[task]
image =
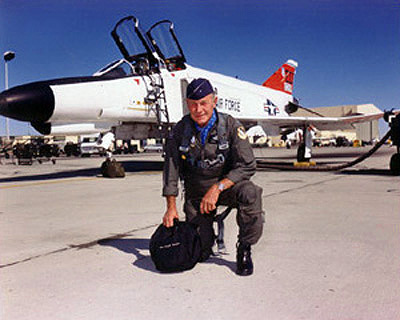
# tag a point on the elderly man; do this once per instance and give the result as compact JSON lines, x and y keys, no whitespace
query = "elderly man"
{"x":210,"y":152}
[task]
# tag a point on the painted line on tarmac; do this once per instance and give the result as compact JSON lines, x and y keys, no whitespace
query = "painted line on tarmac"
{"x":81,"y":246}
{"x":29,"y":184}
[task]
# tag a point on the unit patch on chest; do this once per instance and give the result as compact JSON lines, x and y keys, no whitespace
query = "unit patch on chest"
{"x":241,"y":133}
{"x":193,"y":142}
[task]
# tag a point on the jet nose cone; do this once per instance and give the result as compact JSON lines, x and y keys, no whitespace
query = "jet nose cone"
{"x":3,"y":105}
{"x":31,"y":102}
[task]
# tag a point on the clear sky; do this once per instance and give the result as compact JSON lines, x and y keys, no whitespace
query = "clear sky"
{"x":348,"y":50}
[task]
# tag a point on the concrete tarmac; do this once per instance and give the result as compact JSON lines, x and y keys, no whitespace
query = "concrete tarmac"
{"x":74,"y":245}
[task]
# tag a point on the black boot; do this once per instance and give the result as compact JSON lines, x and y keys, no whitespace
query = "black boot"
{"x":205,"y":254}
{"x":244,"y":264}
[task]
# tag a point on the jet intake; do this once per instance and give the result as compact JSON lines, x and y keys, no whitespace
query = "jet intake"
{"x":291,"y":107}
{"x":126,"y":114}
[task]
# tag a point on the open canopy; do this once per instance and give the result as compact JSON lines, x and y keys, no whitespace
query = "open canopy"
{"x":166,"y":44}
{"x":159,"y":47}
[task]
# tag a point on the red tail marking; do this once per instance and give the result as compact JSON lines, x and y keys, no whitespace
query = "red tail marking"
{"x":283,"y":78}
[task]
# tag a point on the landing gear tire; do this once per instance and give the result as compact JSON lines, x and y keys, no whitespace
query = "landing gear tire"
{"x":395,"y":164}
{"x":301,"y":151}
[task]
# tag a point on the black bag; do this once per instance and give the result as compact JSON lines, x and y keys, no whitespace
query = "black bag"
{"x":112,"y":169}
{"x":175,"y":249}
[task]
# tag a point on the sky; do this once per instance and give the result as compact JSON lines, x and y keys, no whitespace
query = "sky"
{"x":348,"y":50}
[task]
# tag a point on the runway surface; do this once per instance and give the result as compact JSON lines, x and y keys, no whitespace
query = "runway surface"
{"x":74,"y":245}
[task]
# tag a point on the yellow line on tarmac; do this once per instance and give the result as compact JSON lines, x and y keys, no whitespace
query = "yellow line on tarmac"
{"x":45,"y":182}
{"x":137,"y":109}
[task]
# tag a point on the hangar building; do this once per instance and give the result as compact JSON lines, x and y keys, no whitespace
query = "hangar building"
{"x":367,"y":131}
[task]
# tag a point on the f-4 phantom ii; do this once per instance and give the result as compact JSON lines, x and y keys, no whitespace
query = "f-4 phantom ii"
{"x":143,"y":93}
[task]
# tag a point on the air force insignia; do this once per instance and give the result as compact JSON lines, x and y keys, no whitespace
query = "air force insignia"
{"x":242,"y":133}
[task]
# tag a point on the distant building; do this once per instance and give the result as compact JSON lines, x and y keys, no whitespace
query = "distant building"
{"x":366,"y":131}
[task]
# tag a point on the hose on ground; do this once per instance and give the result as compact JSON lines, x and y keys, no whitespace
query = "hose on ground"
{"x":262,"y":164}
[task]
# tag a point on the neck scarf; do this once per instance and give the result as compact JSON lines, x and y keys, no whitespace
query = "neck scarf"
{"x":206,"y":129}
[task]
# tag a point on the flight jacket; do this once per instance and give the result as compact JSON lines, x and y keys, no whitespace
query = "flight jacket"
{"x":226,"y":153}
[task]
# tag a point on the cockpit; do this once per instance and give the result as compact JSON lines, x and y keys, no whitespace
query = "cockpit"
{"x":144,"y":53}
{"x":166,"y":44}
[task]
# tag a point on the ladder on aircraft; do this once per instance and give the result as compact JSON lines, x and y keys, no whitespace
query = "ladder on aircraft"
{"x":158,"y":104}
{"x":136,"y":46}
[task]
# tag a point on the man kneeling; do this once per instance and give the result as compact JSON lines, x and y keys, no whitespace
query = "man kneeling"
{"x":210,"y":151}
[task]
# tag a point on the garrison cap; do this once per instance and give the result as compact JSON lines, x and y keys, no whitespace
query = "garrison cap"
{"x":199,"y":88}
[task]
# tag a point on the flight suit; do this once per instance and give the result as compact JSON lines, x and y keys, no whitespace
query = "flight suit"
{"x":226,"y":153}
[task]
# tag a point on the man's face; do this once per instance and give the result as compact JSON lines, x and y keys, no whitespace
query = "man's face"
{"x":201,"y":110}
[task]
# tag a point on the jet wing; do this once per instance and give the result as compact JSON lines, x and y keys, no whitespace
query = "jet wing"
{"x":321,"y":123}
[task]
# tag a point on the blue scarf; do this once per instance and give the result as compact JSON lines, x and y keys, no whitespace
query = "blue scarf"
{"x":206,"y":129}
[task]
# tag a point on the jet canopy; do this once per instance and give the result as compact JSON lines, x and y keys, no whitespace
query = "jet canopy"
{"x":165,"y":42}
{"x":148,"y":52}
{"x":134,"y":45}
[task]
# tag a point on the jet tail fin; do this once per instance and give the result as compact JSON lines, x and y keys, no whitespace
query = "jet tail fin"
{"x":283,"y":78}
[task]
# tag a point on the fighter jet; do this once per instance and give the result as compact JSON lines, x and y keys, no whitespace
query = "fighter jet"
{"x":142,"y":95}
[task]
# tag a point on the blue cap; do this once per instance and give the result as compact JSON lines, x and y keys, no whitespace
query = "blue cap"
{"x":199,"y":88}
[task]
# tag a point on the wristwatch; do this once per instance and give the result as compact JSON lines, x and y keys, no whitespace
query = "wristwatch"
{"x":221,"y":186}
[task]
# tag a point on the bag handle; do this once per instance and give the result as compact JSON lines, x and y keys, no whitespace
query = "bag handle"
{"x":176,"y":224}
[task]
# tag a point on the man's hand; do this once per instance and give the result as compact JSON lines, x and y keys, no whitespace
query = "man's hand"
{"x":169,"y":216}
{"x":171,"y":213}
{"x":209,"y":201}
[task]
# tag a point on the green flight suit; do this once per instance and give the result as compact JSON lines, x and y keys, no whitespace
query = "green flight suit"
{"x":226,"y":153}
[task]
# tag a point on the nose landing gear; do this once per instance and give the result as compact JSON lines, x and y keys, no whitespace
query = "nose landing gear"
{"x":304,"y":149}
